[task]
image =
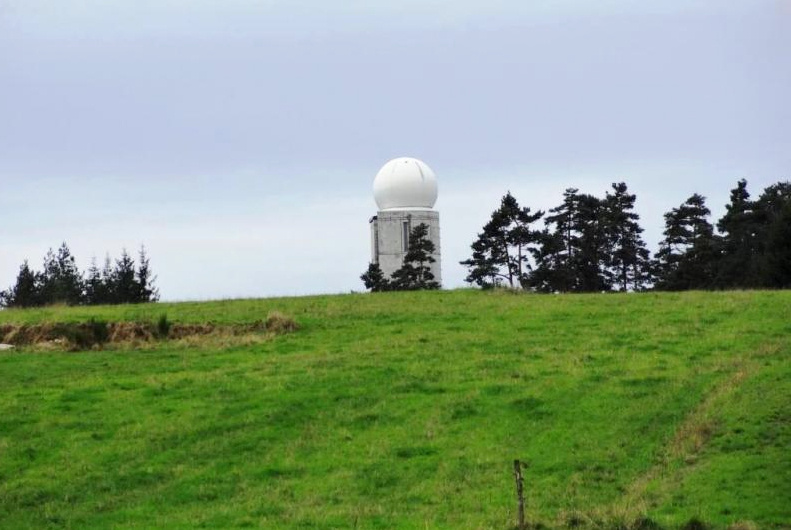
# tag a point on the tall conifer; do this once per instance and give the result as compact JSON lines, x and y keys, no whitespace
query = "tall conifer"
{"x":629,"y":262}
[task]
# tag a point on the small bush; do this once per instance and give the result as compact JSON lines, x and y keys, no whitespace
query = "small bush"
{"x":695,"y":524}
{"x":163,"y":327}
{"x":99,"y":331}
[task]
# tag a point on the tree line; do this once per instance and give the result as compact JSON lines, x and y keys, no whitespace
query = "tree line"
{"x":590,"y":244}
{"x":121,"y":281}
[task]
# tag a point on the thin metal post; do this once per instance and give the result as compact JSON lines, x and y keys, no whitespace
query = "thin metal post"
{"x":520,"y":495}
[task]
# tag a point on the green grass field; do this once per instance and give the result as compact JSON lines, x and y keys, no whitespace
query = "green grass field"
{"x":406,"y":410}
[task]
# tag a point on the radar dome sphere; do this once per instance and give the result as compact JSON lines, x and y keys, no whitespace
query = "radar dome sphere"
{"x":405,"y":184}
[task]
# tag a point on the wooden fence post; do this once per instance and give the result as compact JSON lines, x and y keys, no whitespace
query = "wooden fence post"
{"x":520,"y":495}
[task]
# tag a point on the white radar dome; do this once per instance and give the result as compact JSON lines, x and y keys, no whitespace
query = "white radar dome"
{"x":405,"y":184}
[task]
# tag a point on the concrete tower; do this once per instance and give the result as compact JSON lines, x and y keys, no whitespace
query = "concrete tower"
{"x":405,"y":190}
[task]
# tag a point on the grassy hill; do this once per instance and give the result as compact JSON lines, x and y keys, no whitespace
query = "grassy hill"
{"x":406,"y":410}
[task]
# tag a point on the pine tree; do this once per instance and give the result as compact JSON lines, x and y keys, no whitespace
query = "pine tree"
{"x":773,"y":209}
{"x":374,"y":279}
{"x":26,"y":292}
{"x":109,"y":289}
{"x":504,"y":249}
{"x":146,"y":292}
{"x":555,"y":267}
{"x":126,"y":288}
{"x":574,"y":254}
{"x":521,"y":237}
{"x":687,"y":257}
{"x":740,"y":253}
{"x":93,"y":284}
{"x":415,"y":273}
{"x":484,"y":265}
{"x":592,"y":257}
{"x":491,"y":260}
{"x":629,"y":263}
{"x":551,"y":273}
{"x":62,"y":281}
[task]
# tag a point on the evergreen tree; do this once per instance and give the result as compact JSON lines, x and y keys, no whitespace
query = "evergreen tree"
{"x":99,"y":283}
{"x":739,"y":261}
{"x":146,"y":292}
{"x":557,"y":255}
{"x":109,"y":289}
{"x":415,"y":273}
{"x":62,"y":281}
{"x":592,"y":258}
{"x":687,"y":257}
{"x":491,"y":259}
{"x":93,"y":284}
{"x":551,"y":273}
{"x":125,"y":286}
{"x":26,"y":292}
{"x":484,"y":264}
{"x":522,"y":239}
{"x":629,"y":263}
{"x":374,"y":279}
{"x":504,"y":249}
{"x":574,"y":254}
{"x":773,"y":210}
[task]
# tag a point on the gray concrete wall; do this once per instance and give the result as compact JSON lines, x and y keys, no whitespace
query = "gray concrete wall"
{"x":387,"y":238}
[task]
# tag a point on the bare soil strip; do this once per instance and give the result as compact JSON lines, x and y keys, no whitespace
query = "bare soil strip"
{"x":96,"y":334}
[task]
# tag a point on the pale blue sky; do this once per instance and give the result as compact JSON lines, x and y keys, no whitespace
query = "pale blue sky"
{"x":238,"y":140}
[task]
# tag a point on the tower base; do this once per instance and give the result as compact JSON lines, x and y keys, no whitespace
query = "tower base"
{"x":390,"y":238}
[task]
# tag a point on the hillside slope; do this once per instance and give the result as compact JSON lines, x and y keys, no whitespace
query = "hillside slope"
{"x":406,"y":410}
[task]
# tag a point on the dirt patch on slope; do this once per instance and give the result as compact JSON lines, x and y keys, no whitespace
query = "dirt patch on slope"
{"x":97,"y":333}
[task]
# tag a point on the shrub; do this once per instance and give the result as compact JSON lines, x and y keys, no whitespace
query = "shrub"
{"x":695,"y":524}
{"x":163,"y":327}
{"x":99,"y":331}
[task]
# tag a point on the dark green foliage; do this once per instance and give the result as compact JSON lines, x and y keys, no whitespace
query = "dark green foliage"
{"x":629,"y":266}
{"x":774,"y":235}
{"x":144,"y":280}
{"x":778,"y":253}
{"x":752,"y":249}
{"x":415,"y":274}
{"x":588,"y":244}
{"x":575,"y":251}
{"x":163,"y":327}
{"x":61,"y":282}
{"x":695,"y":524}
{"x":504,"y":249}
{"x":374,"y":279}
{"x":80,"y":336}
{"x":557,"y":256}
{"x":591,"y":245}
{"x":99,"y":330}
{"x":97,"y":284}
{"x":687,"y":255}
{"x":739,"y":261}
{"x":125,"y":286}
{"x":26,"y":292}
{"x":551,"y":272}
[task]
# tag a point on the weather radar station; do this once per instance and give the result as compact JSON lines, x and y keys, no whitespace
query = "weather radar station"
{"x":405,"y":190}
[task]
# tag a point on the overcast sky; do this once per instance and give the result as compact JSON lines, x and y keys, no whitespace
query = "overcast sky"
{"x":238,"y":139}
